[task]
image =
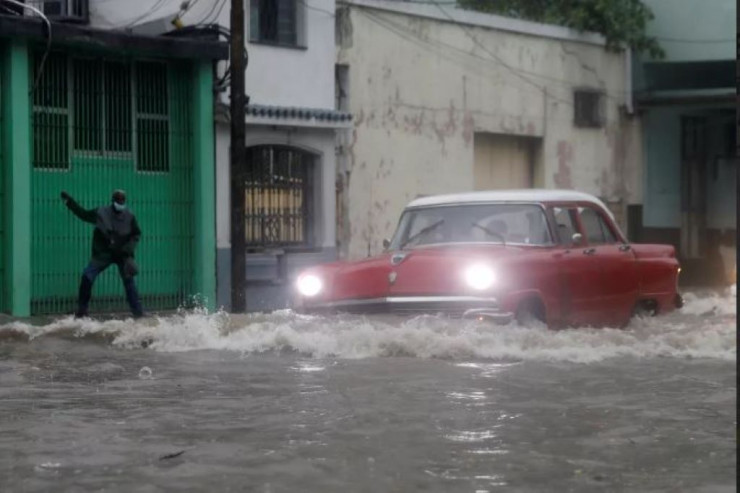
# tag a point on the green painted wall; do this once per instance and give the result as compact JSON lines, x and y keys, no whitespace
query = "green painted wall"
{"x":162,"y":199}
{"x":50,"y":141}
{"x":204,"y":185}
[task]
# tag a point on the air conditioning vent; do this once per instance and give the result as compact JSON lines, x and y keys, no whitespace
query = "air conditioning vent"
{"x":73,"y":11}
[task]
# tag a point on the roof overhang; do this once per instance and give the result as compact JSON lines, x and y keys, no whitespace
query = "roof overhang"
{"x":706,"y":97}
{"x":289,"y":116}
{"x":13,"y":26}
{"x":447,"y":13}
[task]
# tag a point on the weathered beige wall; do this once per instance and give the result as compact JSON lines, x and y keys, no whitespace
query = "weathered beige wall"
{"x":420,"y":88}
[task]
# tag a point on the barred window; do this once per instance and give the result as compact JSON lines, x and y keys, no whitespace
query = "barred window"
{"x":274,"y":21}
{"x":102,"y":105}
{"x":50,"y":118}
{"x":588,"y":108}
{"x":277,"y":197}
{"x":95,"y":107}
{"x":152,"y":117}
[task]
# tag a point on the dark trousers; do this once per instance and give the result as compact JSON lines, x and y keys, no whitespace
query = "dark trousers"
{"x":91,"y":272}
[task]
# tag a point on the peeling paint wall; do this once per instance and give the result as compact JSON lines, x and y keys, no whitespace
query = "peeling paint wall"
{"x":420,"y":87}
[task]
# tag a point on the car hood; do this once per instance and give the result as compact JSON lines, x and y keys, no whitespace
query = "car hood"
{"x":428,"y":270}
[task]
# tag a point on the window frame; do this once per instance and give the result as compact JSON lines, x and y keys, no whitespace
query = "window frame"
{"x":102,"y":129}
{"x":137,"y":116}
{"x":308,"y":209}
{"x":52,"y":110}
{"x":596,"y":118}
{"x":604,"y":226}
{"x":572,"y":211}
{"x":299,"y":26}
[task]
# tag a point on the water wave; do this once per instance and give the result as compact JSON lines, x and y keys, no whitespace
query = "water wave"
{"x":704,"y":328}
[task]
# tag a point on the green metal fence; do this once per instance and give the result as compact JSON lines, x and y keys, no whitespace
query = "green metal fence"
{"x":98,"y":125}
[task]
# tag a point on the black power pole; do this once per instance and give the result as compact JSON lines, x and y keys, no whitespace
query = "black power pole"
{"x":238,"y":160}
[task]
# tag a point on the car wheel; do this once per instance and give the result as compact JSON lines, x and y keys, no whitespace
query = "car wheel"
{"x":530,"y":313}
{"x":645,"y":308}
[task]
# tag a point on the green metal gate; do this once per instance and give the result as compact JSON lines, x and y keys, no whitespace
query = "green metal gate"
{"x":100,"y":124}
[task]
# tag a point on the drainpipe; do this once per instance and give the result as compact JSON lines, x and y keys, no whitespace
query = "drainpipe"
{"x":628,"y":80}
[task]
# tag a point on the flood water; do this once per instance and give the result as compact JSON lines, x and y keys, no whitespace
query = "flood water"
{"x":290,"y":403}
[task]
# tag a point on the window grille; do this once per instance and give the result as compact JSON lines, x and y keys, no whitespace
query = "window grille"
{"x":278,"y":197}
{"x":588,"y":108}
{"x":51,"y":114}
{"x":76,"y":11}
{"x":91,"y":107}
{"x":152,"y":117}
{"x":273,"y":21}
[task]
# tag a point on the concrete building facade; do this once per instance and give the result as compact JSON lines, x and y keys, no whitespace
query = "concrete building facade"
{"x":688,"y":105}
{"x":446,"y":100}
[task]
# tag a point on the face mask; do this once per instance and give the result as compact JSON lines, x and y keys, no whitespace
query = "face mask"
{"x":119,"y":207}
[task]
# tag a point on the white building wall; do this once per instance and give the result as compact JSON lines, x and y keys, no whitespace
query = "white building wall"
{"x":420,"y":86}
{"x":282,"y":76}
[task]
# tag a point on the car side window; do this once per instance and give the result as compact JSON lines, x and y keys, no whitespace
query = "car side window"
{"x":597,"y":232}
{"x":565,"y":224}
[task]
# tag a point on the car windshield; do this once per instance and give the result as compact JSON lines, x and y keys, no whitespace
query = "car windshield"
{"x":472,"y":223}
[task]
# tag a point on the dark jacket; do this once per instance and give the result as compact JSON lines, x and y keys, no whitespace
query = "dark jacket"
{"x":116,"y":233}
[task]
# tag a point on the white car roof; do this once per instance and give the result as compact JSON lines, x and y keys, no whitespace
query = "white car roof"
{"x":523,"y":195}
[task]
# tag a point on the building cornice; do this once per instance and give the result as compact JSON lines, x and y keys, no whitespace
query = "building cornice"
{"x":478,"y":19}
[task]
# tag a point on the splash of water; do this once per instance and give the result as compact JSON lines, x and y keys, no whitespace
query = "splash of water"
{"x":704,"y":328}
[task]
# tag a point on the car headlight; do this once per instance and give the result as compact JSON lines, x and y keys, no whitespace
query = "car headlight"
{"x":309,"y":285}
{"x":480,"y":276}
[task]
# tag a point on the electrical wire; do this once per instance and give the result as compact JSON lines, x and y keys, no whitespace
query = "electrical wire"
{"x":48,"y":39}
{"x":317,"y":9}
{"x":204,"y":20}
{"x":404,"y":32}
{"x":409,"y":36}
{"x":189,"y":6}
{"x":223,"y":4}
{"x":157,"y":5}
{"x":494,"y":56}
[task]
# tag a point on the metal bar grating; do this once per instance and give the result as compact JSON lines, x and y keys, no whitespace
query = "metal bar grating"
{"x":101,"y":124}
{"x":277,"y":197}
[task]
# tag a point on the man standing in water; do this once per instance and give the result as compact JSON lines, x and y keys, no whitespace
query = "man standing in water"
{"x":116,"y":235}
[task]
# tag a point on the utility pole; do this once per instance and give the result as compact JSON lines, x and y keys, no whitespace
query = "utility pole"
{"x":238,"y":160}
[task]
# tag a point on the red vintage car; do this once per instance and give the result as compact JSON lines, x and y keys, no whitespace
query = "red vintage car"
{"x":555,"y":255}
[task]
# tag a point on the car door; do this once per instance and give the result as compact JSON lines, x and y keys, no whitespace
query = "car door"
{"x":580,"y":276}
{"x":619,"y":283}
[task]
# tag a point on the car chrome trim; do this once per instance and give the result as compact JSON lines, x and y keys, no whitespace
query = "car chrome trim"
{"x":401,"y":300}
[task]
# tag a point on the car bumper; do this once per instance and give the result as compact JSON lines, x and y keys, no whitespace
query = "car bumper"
{"x":678,"y":301}
{"x":453,"y":306}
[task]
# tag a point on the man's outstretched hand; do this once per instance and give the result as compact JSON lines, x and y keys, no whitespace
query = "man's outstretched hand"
{"x":65,"y":197}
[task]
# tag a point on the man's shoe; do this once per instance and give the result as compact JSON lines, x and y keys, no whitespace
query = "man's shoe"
{"x":80,"y":314}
